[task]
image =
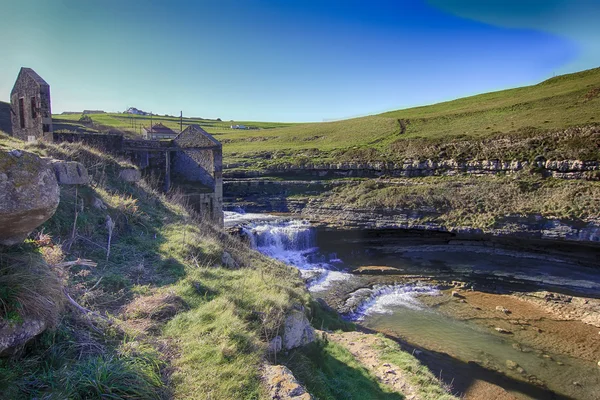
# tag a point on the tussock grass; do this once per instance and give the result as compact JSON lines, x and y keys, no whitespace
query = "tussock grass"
{"x":29,"y":288}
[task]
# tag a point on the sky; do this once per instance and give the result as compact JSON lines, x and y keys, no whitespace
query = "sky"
{"x":283,"y":60}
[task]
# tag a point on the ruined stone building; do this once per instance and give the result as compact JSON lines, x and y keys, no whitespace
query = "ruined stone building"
{"x":189,"y":161}
{"x":31,"y":115}
{"x":192,"y":163}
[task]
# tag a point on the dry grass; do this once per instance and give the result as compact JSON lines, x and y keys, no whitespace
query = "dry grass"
{"x":29,"y":288}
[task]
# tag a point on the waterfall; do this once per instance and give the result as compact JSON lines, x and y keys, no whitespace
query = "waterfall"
{"x":294,"y":243}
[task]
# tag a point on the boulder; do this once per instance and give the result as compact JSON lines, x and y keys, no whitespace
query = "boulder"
{"x":29,"y":194}
{"x":130,"y":175}
{"x":70,"y":172}
{"x":14,"y":335}
{"x":228,"y":261}
{"x":281,"y":384}
{"x":297,"y":330}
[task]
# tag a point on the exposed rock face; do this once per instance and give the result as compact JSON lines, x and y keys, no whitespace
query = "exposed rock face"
{"x":70,"y":173}
{"x":29,"y":194}
{"x":282,"y":385}
{"x":526,"y":227}
{"x":566,"y":169}
{"x":297,"y":330}
{"x":13,"y":335}
{"x":130,"y":175}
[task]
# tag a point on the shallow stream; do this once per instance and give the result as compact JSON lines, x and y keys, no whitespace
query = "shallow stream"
{"x":399,"y":305}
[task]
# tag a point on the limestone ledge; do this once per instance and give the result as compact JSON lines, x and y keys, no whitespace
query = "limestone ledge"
{"x":515,"y":226}
{"x":565,"y":169}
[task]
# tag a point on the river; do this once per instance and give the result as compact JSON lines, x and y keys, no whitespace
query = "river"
{"x":498,"y":329}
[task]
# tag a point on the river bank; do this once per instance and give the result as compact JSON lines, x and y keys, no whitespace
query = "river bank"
{"x":518,"y":325}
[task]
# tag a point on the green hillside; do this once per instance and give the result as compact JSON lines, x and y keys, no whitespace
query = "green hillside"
{"x":519,"y":123}
{"x":555,"y":104}
{"x":133,"y":123}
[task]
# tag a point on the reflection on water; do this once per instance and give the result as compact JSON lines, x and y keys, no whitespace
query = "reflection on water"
{"x":467,"y":341}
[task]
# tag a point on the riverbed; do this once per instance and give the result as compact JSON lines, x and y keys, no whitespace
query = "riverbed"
{"x":492,"y":322}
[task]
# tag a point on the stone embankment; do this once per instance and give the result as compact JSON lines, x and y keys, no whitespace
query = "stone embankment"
{"x":564,"y":169}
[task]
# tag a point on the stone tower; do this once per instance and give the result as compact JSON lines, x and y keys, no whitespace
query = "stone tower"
{"x":31,"y":115}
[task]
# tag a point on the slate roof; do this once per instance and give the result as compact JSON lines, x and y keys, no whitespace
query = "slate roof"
{"x":160,"y":128}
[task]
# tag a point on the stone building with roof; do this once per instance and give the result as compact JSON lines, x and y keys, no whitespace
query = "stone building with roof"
{"x":31,"y":114}
{"x":158,"y":131}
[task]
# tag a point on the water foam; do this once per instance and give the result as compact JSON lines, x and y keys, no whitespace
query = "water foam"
{"x":382,"y":299}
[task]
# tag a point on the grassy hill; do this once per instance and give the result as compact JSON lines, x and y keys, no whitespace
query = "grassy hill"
{"x":528,"y":117}
{"x":517,"y":114}
{"x":133,"y":123}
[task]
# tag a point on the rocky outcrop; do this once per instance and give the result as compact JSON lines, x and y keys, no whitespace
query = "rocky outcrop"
{"x":29,"y":194}
{"x":70,"y":172}
{"x":565,"y":169}
{"x":526,"y":227}
{"x":297,"y":330}
{"x":13,"y":334}
{"x":282,"y":385}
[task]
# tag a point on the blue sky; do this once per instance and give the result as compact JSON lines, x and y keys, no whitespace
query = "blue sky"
{"x":309,"y":60}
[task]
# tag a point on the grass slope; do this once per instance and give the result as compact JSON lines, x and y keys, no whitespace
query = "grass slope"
{"x":460,"y":128}
{"x":555,"y":104}
{"x":182,"y":324}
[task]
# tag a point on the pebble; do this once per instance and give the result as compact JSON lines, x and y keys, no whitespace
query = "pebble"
{"x":502,"y":309}
{"x":503,"y":331}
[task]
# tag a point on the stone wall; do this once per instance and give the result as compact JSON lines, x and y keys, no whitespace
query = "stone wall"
{"x":111,"y":143}
{"x":186,"y":163}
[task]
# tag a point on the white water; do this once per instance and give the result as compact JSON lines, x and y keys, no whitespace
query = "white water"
{"x":293,"y":242}
{"x":383,"y":299}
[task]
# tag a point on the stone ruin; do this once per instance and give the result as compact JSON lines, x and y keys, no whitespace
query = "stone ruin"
{"x":31,"y":115}
{"x":191,"y":162}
